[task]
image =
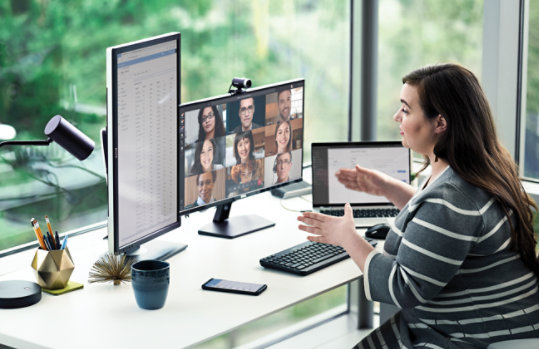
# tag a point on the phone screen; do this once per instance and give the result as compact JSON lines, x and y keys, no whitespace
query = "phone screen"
{"x":234,"y":286}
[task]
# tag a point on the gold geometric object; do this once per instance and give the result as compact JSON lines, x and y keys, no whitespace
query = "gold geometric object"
{"x":52,"y":268}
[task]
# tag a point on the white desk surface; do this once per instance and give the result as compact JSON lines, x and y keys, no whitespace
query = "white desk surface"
{"x":105,"y":316}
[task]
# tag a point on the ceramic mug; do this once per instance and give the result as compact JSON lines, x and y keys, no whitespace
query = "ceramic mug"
{"x":150,"y":279}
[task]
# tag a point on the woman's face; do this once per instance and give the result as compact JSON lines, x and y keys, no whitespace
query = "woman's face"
{"x":244,"y":147}
{"x":246,"y":173}
{"x":208,"y":120}
{"x":206,"y":156}
{"x":416,"y":130}
{"x":282,"y":137}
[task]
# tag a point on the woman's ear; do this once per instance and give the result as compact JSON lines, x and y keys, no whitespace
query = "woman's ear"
{"x":440,"y":125}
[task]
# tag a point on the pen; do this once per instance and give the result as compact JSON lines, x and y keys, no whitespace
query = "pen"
{"x":50,"y":239}
{"x":57,"y":238}
{"x":38,"y":234}
{"x":64,"y":243}
{"x":48,"y":244}
{"x":50,"y":231}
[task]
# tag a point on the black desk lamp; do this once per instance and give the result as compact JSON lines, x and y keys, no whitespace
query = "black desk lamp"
{"x":20,"y":293}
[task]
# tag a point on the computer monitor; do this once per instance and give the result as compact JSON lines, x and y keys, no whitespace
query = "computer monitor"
{"x":143,"y":98}
{"x":237,"y":145}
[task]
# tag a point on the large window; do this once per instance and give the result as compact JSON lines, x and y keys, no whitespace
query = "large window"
{"x":415,"y":33}
{"x":530,"y":156}
{"x":52,"y":61}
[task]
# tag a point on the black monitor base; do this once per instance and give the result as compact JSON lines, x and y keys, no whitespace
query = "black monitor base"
{"x":156,"y":249}
{"x":236,"y":226}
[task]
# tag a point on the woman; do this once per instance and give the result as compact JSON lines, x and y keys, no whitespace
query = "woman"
{"x":204,"y":157}
{"x":210,"y":123}
{"x":283,"y":136}
{"x":248,"y":172}
{"x":244,"y":147}
{"x":460,"y":257}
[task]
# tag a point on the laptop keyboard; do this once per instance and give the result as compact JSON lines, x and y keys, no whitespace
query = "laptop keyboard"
{"x":364,"y":212}
{"x":307,"y":257}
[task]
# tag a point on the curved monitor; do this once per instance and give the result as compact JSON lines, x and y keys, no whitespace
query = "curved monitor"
{"x":233,"y":146}
{"x":143,"y":94}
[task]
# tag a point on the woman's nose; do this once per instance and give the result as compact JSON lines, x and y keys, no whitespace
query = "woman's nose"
{"x":397,"y":117}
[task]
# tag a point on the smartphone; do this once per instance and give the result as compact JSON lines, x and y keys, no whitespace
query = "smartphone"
{"x":234,"y":286}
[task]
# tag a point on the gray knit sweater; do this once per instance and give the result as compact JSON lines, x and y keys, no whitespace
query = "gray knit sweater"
{"x":448,"y":266}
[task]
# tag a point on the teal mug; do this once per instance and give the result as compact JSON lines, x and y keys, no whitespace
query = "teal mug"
{"x":150,"y":280}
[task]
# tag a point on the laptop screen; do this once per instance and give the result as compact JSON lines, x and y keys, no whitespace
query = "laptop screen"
{"x":327,"y":158}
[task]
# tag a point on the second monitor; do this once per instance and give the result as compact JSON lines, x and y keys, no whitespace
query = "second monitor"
{"x":232,"y":146}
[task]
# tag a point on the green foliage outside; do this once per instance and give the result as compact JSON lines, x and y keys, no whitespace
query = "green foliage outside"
{"x":531,"y":150}
{"x":415,"y":33}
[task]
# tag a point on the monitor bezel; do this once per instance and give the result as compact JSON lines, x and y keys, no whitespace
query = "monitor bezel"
{"x":225,"y":98}
{"x":112,"y":151}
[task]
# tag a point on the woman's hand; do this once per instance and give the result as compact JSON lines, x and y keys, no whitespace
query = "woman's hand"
{"x":337,"y":231}
{"x":329,"y":229}
{"x":363,"y":179}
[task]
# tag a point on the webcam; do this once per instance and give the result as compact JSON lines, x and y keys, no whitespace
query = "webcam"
{"x":239,"y":84}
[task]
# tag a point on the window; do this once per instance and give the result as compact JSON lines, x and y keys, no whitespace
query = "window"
{"x":530,"y":156}
{"x":55,"y":64}
{"x":415,"y":33}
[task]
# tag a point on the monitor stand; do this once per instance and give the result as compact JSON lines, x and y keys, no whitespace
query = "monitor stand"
{"x":229,"y":228}
{"x":155,"y":249}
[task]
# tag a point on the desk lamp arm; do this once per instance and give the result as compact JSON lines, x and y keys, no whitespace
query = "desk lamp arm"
{"x":45,"y":142}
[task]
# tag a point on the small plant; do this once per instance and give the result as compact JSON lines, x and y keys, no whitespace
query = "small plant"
{"x":113,"y":268}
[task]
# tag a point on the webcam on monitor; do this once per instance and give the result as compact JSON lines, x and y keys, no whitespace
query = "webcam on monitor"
{"x":239,"y":84}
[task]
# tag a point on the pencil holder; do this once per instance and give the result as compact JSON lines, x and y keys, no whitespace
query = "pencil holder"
{"x":52,"y":268}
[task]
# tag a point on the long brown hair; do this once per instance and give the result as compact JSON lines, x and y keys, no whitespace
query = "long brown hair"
{"x":472,"y":149}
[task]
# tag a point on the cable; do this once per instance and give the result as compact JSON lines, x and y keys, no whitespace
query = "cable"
{"x":295,"y":210}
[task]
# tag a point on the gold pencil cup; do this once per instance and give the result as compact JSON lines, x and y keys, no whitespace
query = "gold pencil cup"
{"x":52,"y":268}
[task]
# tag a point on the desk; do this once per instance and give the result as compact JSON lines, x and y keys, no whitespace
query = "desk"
{"x":106,"y":316}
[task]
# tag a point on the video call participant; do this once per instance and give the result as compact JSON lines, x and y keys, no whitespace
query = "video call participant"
{"x":282,"y":166}
{"x":205,"y":157}
{"x":210,"y":123}
{"x":244,"y":148}
{"x":246,"y":113}
{"x":283,"y":136}
{"x":245,"y":177}
{"x":245,"y":160}
{"x":284,"y":104}
{"x":205,"y":184}
{"x":248,"y":172}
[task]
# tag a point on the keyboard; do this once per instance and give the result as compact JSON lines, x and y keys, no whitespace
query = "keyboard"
{"x":364,"y":212}
{"x":306,"y":258}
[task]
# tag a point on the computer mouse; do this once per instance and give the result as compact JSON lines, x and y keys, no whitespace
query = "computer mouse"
{"x":377,"y":231}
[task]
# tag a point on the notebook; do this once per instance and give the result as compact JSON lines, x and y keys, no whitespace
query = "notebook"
{"x":329,"y":195}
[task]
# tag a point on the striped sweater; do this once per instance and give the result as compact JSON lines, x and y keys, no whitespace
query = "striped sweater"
{"x":447,"y":264}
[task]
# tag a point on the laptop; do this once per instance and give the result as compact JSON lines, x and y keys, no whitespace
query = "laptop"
{"x":329,"y":195}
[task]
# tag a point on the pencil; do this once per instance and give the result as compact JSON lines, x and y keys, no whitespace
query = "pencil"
{"x":55,"y":244}
{"x":38,"y":234}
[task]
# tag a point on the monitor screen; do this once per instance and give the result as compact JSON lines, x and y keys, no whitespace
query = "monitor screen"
{"x":236,"y":145}
{"x":143,"y":94}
